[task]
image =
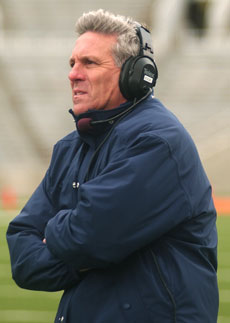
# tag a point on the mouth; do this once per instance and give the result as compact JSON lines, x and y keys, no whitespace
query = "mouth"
{"x":77,"y":93}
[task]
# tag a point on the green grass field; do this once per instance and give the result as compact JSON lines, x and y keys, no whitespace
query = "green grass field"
{"x":223,"y":224}
{"x":22,"y":306}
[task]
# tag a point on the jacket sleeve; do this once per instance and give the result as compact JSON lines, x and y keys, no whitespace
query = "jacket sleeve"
{"x":33,"y":265}
{"x":135,"y":200}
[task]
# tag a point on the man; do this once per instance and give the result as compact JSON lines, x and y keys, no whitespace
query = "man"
{"x":123,"y":220}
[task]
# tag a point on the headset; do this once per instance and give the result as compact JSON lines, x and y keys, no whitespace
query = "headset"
{"x":139,"y":73}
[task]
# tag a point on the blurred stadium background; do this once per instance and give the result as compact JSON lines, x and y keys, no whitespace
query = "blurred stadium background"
{"x":192,"y":49}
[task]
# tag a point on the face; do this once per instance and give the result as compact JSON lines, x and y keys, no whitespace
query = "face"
{"x":94,"y":77}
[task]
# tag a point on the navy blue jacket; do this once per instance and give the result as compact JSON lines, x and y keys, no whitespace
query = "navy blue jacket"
{"x":129,"y":221}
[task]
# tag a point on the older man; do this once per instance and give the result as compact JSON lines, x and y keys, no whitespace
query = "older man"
{"x":123,"y":220}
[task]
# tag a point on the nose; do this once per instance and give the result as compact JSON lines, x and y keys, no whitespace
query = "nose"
{"x":76,"y":73}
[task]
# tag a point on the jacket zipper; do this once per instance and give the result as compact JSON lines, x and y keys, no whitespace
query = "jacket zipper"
{"x":171,"y":297}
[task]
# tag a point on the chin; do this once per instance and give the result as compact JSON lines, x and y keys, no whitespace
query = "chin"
{"x":80,"y":109}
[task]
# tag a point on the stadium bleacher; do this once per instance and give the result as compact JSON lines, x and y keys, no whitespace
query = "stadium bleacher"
{"x":36,"y":39}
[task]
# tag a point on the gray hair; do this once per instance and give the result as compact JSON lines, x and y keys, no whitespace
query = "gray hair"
{"x":104,"y":22}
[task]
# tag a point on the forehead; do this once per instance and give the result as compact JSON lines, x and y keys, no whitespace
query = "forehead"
{"x":92,"y":43}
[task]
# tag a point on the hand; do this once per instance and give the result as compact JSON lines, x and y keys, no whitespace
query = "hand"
{"x":44,"y":240}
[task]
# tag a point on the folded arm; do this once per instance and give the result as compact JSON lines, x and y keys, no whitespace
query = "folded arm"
{"x":33,"y":265}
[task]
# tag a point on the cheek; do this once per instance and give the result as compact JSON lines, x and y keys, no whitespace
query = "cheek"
{"x":110,"y":81}
{"x":100,"y":86}
{"x":105,"y":87}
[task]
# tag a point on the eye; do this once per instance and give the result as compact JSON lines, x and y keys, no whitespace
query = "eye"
{"x":89,"y":61}
{"x":71,"y":63}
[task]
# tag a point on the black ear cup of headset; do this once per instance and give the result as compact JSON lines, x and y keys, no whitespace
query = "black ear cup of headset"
{"x":139,"y":74}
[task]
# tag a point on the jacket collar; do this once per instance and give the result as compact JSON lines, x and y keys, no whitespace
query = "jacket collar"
{"x":96,"y":122}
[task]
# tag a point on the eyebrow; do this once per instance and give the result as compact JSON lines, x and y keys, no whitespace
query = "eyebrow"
{"x":83,"y":58}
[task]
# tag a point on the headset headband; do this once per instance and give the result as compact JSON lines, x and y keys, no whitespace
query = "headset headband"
{"x":145,"y":41}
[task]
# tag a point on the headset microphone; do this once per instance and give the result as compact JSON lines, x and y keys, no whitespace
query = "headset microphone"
{"x":86,"y":124}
